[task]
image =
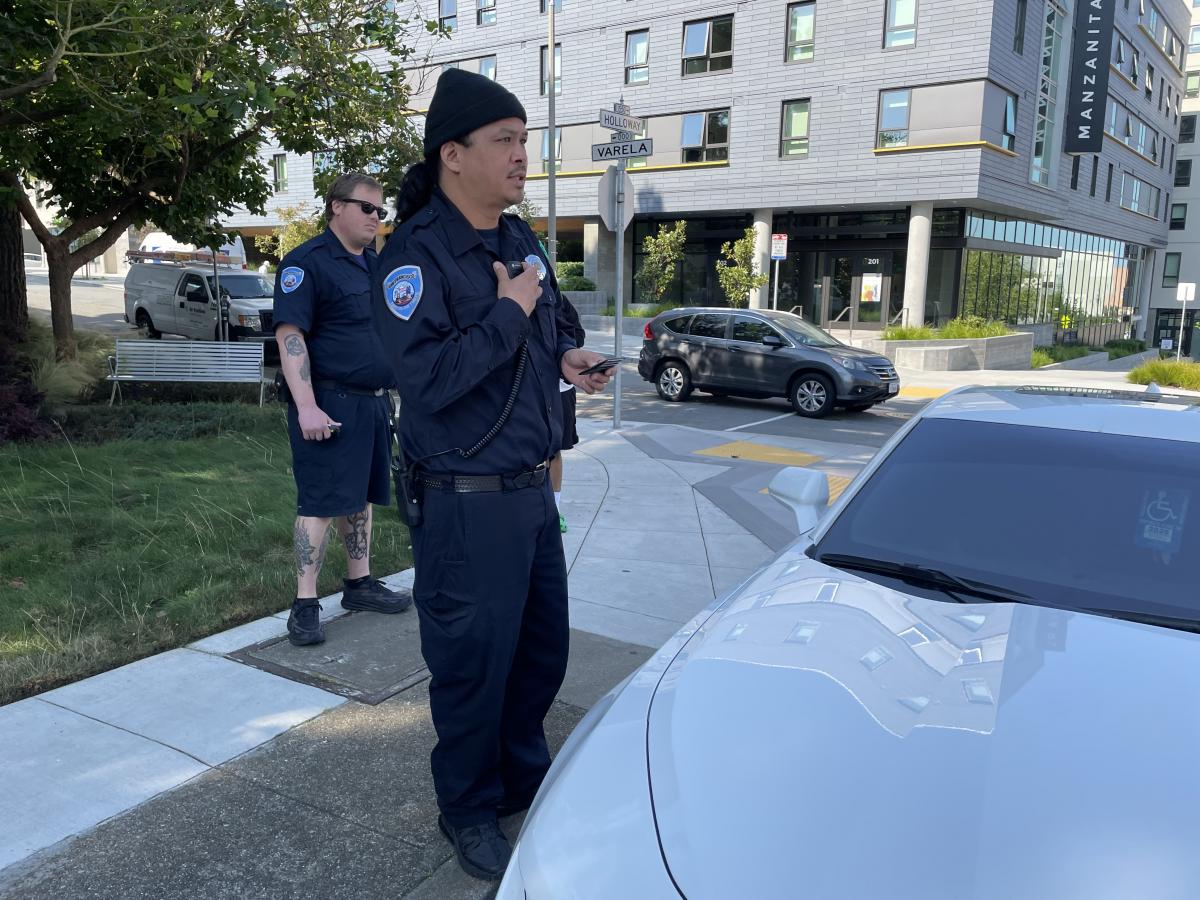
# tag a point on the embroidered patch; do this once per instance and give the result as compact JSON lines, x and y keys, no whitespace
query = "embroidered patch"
{"x":291,"y":278}
{"x":536,"y":261}
{"x":402,"y":290}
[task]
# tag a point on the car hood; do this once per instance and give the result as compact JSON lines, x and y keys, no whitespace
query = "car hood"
{"x":826,"y":737}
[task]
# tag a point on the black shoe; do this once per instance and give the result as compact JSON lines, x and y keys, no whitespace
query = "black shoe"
{"x":374,"y":596}
{"x":483,"y":850}
{"x":304,"y":624}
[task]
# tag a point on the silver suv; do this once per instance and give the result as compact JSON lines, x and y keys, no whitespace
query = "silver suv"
{"x":761,"y":353}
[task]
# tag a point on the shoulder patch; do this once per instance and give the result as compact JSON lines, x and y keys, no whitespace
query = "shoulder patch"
{"x":291,"y":278}
{"x":402,"y":289}
{"x":536,"y":261}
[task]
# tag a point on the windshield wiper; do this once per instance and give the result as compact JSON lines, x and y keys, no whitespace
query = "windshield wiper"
{"x":923,"y":575}
{"x":1180,"y":624}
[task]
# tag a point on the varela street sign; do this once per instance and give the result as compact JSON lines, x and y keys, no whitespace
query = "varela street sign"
{"x":620,"y":122}
{"x":622,"y":150}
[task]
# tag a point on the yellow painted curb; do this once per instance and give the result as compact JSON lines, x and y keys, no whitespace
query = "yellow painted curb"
{"x":760,"y":453}
{"x":926,"y":393}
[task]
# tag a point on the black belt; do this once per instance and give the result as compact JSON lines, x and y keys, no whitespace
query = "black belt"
{"x":470,"y":484}
{"x":345,"y":388}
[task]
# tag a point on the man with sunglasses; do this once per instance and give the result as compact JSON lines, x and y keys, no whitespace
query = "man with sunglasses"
{"x":337,"y":376}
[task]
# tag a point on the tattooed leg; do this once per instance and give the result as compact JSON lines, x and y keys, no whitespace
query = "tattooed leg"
{"x":310,"y":539}
{"x":356,"y":534}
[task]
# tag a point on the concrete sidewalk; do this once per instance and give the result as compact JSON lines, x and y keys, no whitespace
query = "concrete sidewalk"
{"x":240,"y":766}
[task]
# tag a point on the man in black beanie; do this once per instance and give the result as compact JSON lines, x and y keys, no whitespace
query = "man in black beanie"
{"x":470,"y":316}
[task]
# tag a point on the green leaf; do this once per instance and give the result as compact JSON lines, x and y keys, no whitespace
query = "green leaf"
{"x":183,"y":83}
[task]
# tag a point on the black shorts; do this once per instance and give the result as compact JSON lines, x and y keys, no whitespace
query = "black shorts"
{"x":340,"y":475}
{"x":570,"y":435}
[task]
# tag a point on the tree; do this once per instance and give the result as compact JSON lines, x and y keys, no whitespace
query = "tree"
{"x":662,"y":255}
{"x":737,"y":269}
{"x":1000,"y":286}
{"x":298,"y":225}
{"x":177,"y":141}
{"x":529,"y":213}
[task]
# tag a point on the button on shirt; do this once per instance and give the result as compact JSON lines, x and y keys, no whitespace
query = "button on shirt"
{"x":453,"y":343}
{"x":325,"y":291}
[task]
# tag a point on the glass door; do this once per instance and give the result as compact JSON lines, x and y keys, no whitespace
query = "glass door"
{"x":839,"y":291}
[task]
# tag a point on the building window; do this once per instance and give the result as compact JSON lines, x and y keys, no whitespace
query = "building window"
{"x":1075,"y":173}
{"x":793,"y":140}
{"x":893,"y":119}
{"x":1095,"y":172}
{"x":1178,"y":216}
{"x":901,"y":26}
{"x":1193,"y":85}
{"x":708,"y":46}
{"x":557,"y":149}
{"x":448,"y":14}
{"x":1009,"y":141}
{"x":705,"y":136}
{"x":1183,"y":173}
{"x":557,"y":70}
{"x":1019,"y":28}
{"x":637,"y":57}
{"x":1187,"y":129}
{"x":800,"y":31}
{"x":485,"y":12}
{"x":1171,"y":270}
{"x":487,"y":67}
{"x":1194,"y":40}
{"x":1149,"y":82}
{"x":557,"y":6}
{"x":1043,"y":129}
{"x":1135,"y":66}
{"x":1139,"y":196}
{"x":279,"y":179}
{"x":1108,"y":187}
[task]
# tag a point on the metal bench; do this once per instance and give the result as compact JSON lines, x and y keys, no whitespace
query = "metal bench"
{"x":211,"y":362}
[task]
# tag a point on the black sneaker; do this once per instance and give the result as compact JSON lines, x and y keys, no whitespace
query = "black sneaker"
{"x":374,"y":596}
{"x":483,"y":850}
{"x":304,"y":624}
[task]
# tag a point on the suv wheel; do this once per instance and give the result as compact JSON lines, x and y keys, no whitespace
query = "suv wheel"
{"x":674,"y":381}
{"x":812,"y":395}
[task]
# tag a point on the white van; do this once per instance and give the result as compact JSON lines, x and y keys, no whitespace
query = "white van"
{"x":161,"y":298}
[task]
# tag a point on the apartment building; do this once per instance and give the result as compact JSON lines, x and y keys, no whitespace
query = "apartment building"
{"x":913,"y":152}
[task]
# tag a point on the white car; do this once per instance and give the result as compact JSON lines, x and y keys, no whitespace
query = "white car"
{"x":975,"y":677}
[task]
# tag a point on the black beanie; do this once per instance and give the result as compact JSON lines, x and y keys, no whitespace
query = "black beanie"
{"x":464,"y":101}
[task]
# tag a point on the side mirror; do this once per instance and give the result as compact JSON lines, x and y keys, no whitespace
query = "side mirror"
{"x":772,"y":340}
{"x":806,"y":491}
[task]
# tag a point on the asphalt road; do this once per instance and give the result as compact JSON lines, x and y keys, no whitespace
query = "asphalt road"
{"x":97,"y":305}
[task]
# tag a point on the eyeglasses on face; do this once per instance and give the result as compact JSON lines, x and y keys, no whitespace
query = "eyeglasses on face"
{"x":367,"y":208}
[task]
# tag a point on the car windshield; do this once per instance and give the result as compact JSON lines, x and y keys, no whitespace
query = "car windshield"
{"x":242,"y":287}
{"x":803,"y":332}
{"x":1073,"y":519}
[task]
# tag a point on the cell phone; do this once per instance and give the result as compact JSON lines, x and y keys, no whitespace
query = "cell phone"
{"x":604,"y":365}
{"x":514,"y":268}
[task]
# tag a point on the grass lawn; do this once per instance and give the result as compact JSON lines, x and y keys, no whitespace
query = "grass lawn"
{"x":114,"y":550}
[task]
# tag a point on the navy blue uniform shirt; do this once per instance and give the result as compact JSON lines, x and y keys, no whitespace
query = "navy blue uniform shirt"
{"x":452,"y":343}
{"x":325,"y":291}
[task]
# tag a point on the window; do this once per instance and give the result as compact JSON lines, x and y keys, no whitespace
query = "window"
{"x":1047,"y":98}
{"x":193,"y":290}
{"x":1194,"y":40}
{"x":1139,"y":196}
{"x":487,"y":67}
{"x":893,"y":119}
{"x":752,"y":331}
{"x":1108,"y":188}
{"x":1171,"y":270}
{"x":557,"y":70}
{"x":1178,"y":216}
{"x":1019,"y":28}
{"x":901,"y":27}
{"x":1135,"y":66}
{"x":557,"y":149}
{"x":485,"y":12}
{"x":1183,"y":173}
{"x":705,"y":136}
{"x":1009,"y":141}
{"x":637,"y":57}
{"x":557,"y":6}
{"x":279,"y":179}
{"x":1095,"y":172}
{"x":800,"y":41}
{"x":1149,"y":82}
{"x":448,"y":14}
{"x":1192,"y":90}
{"x":794,"y":133}
{"x":1187,"y":129}
{"x":1075,"y":173}
{"x":708,"y":46}
{"x":710,"y":325}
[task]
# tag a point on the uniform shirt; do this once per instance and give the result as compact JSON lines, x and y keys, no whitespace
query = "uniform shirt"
{"x":452,"y":344}
{"x":325,"y":291}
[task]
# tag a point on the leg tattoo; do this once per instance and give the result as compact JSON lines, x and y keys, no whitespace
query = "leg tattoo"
{"x":357,"y":539}
{"x":306,"y":553}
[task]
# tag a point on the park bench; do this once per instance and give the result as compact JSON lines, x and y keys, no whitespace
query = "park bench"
{"x":210,"y":362}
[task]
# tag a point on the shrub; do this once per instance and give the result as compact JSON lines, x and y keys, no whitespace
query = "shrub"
{"x":1180,"y":373}
{"x":575,"y":283}
{"x":909,"y":333}
{"x":1040,"y":358}
{"x":163,"y":421}
{"x":568,"y":269}
{"x":973,"y":327}
{"x":1119,"y":348}
{"x":1062,"y":352}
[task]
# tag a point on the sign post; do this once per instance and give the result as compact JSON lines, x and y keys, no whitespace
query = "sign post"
{"x":1185,"y":293}
{"x":778,"y":255}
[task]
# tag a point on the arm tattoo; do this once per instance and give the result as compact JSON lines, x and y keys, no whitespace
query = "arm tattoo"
{"x":305,"y":369}
{"x":294,"y":344}
{"x":356,"y":537}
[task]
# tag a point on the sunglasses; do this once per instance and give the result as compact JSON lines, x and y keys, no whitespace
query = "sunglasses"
{"x":368,"y":209}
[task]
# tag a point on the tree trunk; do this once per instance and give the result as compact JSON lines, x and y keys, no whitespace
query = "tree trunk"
{"x":14,"y":304}
{"x":61,"y":270}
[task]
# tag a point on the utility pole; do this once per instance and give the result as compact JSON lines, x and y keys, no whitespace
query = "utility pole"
{"x":551,"y":143}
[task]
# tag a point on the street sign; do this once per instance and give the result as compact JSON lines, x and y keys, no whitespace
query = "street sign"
{"x":607,"y":198}
{"x":621,"y":121}
{"x":1185,"y":292}
{"x":779,"y":246}
{"x":622,"y":150}
{"x":622,"y":109}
